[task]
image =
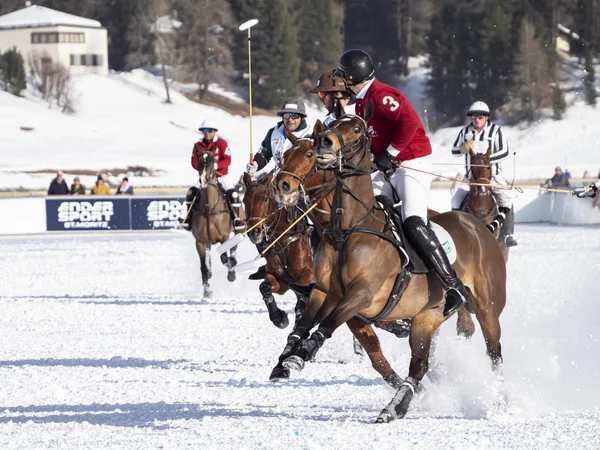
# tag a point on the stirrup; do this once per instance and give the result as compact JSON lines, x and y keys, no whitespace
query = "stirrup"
{"x":455,"y":300}
{"x":510,"y":241}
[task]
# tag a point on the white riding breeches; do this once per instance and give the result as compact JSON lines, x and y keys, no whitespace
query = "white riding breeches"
{"x":504,"y":197}
{"x":225,"y":182}
{"x":411,"y":186}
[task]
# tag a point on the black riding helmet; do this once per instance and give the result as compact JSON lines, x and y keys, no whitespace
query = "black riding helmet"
{"x":355,"y":66}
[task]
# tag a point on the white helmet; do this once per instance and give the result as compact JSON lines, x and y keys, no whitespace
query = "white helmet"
{"x":209,"y":123}
{"x":479,"y":108}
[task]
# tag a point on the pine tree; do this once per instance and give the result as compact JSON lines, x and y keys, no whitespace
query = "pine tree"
{"x":319,"y":38}
{"x":559,"y":105}
{"x":13,"y":71}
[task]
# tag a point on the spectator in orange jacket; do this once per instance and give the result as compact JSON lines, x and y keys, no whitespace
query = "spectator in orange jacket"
{"x":100,"y":188}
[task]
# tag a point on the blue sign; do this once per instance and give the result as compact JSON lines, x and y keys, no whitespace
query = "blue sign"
{"x":90,"y":214}
{"x":157,"y":214}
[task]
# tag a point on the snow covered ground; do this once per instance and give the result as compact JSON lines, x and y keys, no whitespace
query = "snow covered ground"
{"x":107,"y":344}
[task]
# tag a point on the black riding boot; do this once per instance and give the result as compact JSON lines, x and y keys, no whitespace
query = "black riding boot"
{"x":235,"y":205}
{"x":509,"y":226}
{"x":186,"y":221}
{"x":424,"y":240}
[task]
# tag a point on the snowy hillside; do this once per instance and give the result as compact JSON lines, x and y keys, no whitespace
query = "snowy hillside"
{"x":122,"y":120}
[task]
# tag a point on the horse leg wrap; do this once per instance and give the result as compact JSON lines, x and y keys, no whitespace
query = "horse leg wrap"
{"x":311,"y":346}
{"x":291,"y":346}
{"x":398,"y":407}
{"x":300,"y":308}
{"x":394,"y":380}
{"x":276,"y":315}
{"x":224,"y":258}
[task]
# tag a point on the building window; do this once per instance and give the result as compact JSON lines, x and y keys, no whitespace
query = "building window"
{"x":55,"y":38}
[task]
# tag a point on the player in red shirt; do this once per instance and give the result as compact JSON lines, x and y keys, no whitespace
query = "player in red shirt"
{"x":220,"y":148}
{"x":397,"y":136}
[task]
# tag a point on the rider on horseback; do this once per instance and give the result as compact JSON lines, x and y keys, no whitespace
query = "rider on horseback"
{"x":331,"y":90}
{"x":220,"y":148}
{"x":397,"y":136}
{"x":479,"y":136}
{"x":275,"y":143}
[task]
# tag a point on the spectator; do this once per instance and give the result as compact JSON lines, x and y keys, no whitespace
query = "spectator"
{"x":559,"y":179}
{"x":100,"y":188}
{"x":58,"y":186}
{"x":125,"y":188}
{"x":586,"y":175}
{"x":77,"y":188}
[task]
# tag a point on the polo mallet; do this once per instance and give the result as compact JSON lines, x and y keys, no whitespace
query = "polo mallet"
{"x":246,"y":26}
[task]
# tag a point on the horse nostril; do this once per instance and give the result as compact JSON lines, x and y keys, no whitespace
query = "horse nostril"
{"x":324,"y":141}
{"x":285,"y":186}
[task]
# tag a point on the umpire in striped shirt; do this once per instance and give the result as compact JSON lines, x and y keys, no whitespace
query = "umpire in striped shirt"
{"x":479,"y":136}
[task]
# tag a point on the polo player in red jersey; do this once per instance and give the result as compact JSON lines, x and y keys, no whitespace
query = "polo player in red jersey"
{"x":398,"y":137}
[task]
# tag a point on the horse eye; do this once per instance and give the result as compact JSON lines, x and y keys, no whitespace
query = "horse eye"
{"x":357,"y":130}
{"x":266,"y":199}
{"x":309,"y":154}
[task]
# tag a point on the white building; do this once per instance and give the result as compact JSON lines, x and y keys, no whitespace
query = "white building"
{"x":77,"y":43}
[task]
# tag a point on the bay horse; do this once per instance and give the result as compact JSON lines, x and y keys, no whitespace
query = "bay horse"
{"x":480,"y":200}
{"x":211,"y":221}
{"x":290,"y":266}
{"x":300,"y":175}
{"x":358,"y":263}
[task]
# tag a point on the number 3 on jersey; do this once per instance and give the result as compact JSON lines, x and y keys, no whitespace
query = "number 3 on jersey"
{"x":394,"y":105}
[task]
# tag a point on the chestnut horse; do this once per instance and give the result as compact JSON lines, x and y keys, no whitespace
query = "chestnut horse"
{"x":211,"y":221}
{"x":358,"y":262}
{"x":480,"y":200}
{"x":300,"y":163}
{"x":290,"y":266}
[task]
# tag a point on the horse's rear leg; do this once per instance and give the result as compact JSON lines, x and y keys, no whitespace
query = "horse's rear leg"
{"x":423,"y":328}
{"x":490,"y":327}
{"x":465,"y":327}
{"x":205,"y":267}
{"x":370,"y":342}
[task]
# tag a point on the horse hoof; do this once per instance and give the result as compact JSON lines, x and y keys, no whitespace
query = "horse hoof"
{"x":207,"y":293}
{"x":279,"y":373}
{"x":294,"y":363}
{"x":385,"y":417}
{"x":232,"y":262}
{"x":282,"y":321}
{"x":231,"y":275}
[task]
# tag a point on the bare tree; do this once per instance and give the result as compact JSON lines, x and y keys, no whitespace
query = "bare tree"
{"x":52,"y":80}
{"x":534,"y":75}
{"x":205,"y":40}
{"x":153,"y":40}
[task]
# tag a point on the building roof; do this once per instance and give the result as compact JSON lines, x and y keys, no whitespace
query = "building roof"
{"x":38,"y":16}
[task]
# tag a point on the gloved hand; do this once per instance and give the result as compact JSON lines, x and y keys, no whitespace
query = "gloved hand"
{"x":469,"y":145}
{"x":587,"y":191}
{"x":385,"y":163}
{"x":252,"y":167}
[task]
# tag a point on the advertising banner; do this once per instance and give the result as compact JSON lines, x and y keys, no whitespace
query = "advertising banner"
{"x":104,"y":213}
{"x":156,"y":214}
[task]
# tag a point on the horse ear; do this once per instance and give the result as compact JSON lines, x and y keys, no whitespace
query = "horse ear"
{"x":489,"y":152}
{"x":472,"y":153}
{"x":339,"y":109}
{"x":247,"y":179}
{"x":292,"y":137}
{"x":317,"y":129}
{"x":268,"y":179}
{"x":369,"y":109}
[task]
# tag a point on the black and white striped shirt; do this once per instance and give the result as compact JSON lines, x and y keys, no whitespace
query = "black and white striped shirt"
{"x":490,"y":137}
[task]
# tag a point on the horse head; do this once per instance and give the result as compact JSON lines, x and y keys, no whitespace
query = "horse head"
{"x":345,"y":140}
{"x":481,"y":170}
{"x":206,"y":167}
{"x":480,"y":201}
{"x":257,"y":203}
{"x":298,"y":165}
